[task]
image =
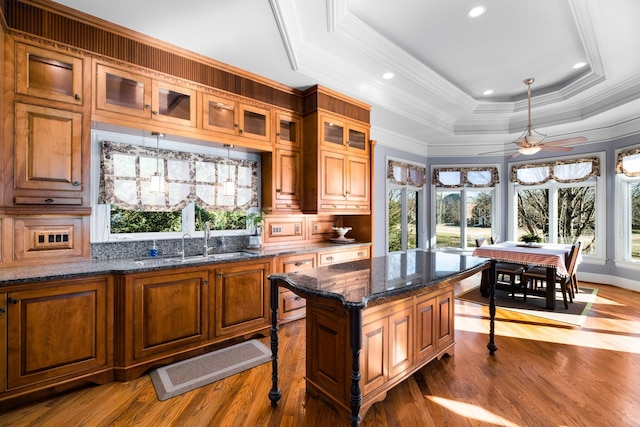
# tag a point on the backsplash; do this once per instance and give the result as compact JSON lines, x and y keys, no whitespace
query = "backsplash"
{"x":140,"y":249}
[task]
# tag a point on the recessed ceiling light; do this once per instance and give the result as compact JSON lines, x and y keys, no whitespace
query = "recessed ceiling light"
{"x":387,"y":76}
{"x":488,"y":92}
{"x":579,"y":65}
{"x":476,"y":11}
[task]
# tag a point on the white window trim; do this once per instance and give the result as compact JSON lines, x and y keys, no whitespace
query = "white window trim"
{"x":599,"y":258}
{"x":622,"y":220}
{"x":422,"y":206}
{"x":496,"y":206}
{"x":100,"y":218}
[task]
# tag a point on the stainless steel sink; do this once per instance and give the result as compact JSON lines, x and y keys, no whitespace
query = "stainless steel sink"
{"x":192,"y":258}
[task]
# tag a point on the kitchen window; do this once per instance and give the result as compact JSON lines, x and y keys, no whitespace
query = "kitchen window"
{"x":628,"y":206}
{"x":405,"y":203}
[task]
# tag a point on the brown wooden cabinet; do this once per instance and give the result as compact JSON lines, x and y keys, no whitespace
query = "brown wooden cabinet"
{"x":241,"y":298}
{"x":168,"y":312}
{"x":292,"y":306}
{"x":48,"y":157}
{"x":58,"y":331}
{"x":129,"y":96}
{"x":387,"y":343}
{"x":288,"y":129}
{"x":336,"y":170}
{"x":434,"y":324}
{"x":48,"y":74}
{"x":233,"y":117}
{"x":282,"y":180}
{"x":337,"y":133}
{"x":351,"y":253}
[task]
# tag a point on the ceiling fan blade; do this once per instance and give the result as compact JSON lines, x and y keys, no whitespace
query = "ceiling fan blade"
{"x":516,"y":154}
{"x":566,"y":141}
{"x":554,"y":148}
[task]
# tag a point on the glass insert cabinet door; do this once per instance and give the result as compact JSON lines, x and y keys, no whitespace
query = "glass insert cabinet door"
{"x":230,"y":117}
{"x":136,"y":95}
{"x":344,"y":135}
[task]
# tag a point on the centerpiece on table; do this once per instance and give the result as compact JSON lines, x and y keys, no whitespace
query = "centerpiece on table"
{"x":531,"y":239}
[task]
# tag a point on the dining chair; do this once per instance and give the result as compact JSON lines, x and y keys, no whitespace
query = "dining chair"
{"x":538,"y":275}
{"x":506,"y":269}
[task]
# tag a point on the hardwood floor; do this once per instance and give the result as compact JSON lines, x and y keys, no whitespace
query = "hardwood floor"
{"x":543,"y":374}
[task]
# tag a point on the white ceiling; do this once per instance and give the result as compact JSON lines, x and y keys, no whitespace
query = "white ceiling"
{"x":443,"y":60}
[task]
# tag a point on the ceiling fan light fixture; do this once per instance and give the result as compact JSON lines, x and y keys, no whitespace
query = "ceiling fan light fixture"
{"x":527,"y":151}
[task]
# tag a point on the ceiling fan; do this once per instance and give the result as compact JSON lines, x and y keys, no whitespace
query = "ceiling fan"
{"x":531,"y":141}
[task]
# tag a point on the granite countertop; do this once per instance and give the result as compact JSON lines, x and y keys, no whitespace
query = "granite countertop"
{"x":360,"y":283}
{"x":24,"y":274}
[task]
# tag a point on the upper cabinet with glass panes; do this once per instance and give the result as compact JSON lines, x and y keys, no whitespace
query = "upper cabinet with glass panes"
{"x":338,"y":133}
{"x":49,"y":74}
{"x":232,"y":117}
{"x":132,"y":96}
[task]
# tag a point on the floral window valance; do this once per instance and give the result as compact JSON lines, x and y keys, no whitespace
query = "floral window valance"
{"x":628,"y":163}
{"x":478,"y":177}
{"x":125,"y":175}
{"x":565,"y":171}
{"x":402,"y":173}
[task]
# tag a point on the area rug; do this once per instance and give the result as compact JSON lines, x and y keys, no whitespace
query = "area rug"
{"x":181,"y":377}
{"x":535,"y":305}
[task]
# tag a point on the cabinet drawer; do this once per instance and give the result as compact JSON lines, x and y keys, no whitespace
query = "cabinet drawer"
{"x":296,"y":263}
{"x":292,"y":306}
{"x":334,"y":257}
{"x":67,"y":201}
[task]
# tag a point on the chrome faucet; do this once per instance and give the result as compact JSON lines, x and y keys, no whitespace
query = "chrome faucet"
{"x":207,"y":235}
{"x":183,"y":237}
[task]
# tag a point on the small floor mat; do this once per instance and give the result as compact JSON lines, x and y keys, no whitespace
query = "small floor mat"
{"x":184,"y":376}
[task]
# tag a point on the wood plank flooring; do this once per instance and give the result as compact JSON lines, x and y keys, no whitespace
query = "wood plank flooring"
{"x":543,"y":374}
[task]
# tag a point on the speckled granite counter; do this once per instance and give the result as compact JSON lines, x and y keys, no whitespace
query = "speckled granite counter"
{"x":391,"y":315}
{"x":17,"y":275}
{"x":396,"y":275}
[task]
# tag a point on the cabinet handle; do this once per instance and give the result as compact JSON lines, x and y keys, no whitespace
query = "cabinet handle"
{"x":278,"y":190}
{"x":147,"y":106}
{"x":297,"y":298}
{"x":48,"y":200}
{"x":329,"y":258}
{"x":155,"y":113}
{"x":277,"y":133}
{"x":1,"y":310}
{"x":297,"y":227}
{"x":12,"y":301}
{"x":315,"y":228}
{"x":77,"y":97}
{"x":298,"y":264}
{"x":241,"y":131}
{"x":205,"y":282}
{"x":360,"y":253}
{"x":76,"y":183}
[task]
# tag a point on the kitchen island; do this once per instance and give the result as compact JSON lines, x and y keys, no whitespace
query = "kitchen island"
{"x":372,"y":323}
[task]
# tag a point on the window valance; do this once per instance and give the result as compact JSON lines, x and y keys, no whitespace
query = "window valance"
{"x":125,"y":175}
{"x":478,"y":177}
{"x":402,"y":173}
{"x":565,"y":171}
{"x":628,"y":162}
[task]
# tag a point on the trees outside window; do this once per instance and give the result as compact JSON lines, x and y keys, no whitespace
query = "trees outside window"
{"x":462,"y":216}
{"x":403,"y":221}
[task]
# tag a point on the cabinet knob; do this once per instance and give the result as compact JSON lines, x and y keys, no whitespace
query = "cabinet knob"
{"x":329,"y":258}
{"x":48,"y":200}
{"x":1,"y":310}
{"x":12,"y":301}
{"x":278,"y":190}
{"x":147,"y":106}
{"x":205,"y":282}
{"x":77,"y":97}
{"x":298,"y":264}
{"x":76,"y":183}
{"x":241,"y":131}
{"x":155,"y":113}
{"x":360,"y":253}
{"x":297,"y":298}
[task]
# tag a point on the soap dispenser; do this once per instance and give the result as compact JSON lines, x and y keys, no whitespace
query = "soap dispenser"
{"x":154,"y":250}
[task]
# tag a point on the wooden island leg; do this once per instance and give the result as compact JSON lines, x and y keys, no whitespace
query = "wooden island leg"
{"x":274,"y":393}
{"x":492,"y":308}
{"x":355,"y":326}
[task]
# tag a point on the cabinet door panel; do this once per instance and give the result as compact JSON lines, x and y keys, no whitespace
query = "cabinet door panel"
{"x":333,"y":177}
{"x":445,"y":306}
{"x":121,"y":92}
{"x":358,"y":179}
{"x":374,"y":357}
{"x":288,"y":185}
{"x":57,"y":331}
{"x":219,"y":114}
{"x":48,"y":148}
{"x":400,"y":341}
{"x":47,"y":74}
{"x":242,"y":298}
{"x":170,"y":311}
{"x":173,"y":104}
{"x":426,"y":323}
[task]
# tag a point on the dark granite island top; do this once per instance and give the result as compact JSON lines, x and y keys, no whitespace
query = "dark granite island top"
{"x":391,"y":315}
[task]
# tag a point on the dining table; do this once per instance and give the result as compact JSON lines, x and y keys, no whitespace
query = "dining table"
{"x":548,"y":255}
